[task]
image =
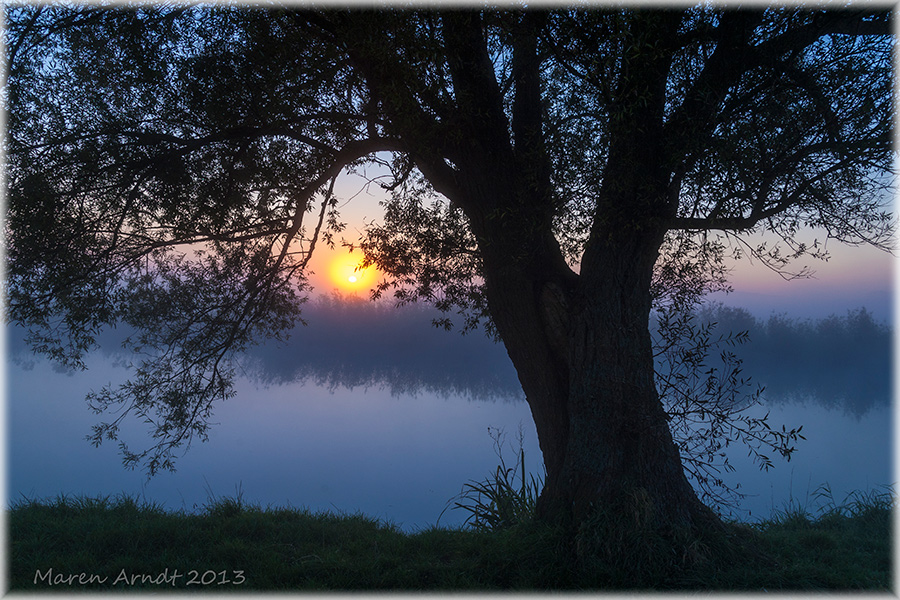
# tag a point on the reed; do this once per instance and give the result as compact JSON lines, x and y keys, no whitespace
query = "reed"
{"x":506,"y":498}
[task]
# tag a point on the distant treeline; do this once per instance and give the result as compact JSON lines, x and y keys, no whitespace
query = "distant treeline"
{"x":840,"y":360}
{"x":837,"y":361}
{"x":357,"y":343}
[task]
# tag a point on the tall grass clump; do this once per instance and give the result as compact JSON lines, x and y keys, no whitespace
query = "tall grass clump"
{"x":506,"y":498}
{"x":859,"y":507}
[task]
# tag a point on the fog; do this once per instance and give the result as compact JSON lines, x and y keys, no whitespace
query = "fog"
{"x":371,"y":408}
{"x":837,"y":361}
{"x":362,"y":344}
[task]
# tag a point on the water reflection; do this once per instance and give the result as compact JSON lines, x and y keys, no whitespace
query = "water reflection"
{"x":371,"y":409}
{"x":845,"y":451}
{"x":397,"y":457}
{"x":839,"y":362}
{"x":363,"y":344}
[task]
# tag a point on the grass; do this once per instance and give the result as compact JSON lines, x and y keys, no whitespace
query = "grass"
{"x":234,"y":547}
{"x":273,"y":549}
{"x":834,"y":546}
{"x":500,"y":501}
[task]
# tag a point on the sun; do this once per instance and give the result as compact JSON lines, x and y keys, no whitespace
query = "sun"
{"x":347,"y":274}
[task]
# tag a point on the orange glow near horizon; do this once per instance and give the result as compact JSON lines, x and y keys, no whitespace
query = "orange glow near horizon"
{"x":345,"y":274}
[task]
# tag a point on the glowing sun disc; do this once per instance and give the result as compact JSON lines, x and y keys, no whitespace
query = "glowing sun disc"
{"x":345,"y":272}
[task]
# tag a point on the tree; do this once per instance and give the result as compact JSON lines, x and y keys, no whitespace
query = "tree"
{"x":556,"y":173}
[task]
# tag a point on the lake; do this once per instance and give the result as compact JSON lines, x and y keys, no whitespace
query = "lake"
{"x":398,"y":458}
{"x":396,"y":447}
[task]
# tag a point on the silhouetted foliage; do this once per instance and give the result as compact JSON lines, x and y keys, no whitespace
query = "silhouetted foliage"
{"x":507,"y":498}
{"x":555,"y":175}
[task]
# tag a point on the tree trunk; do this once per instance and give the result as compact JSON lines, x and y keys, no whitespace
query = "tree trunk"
{"x":585,"y":362}
{"x":583,"y":354}
{"x":580,"y":343}
{"x":581,"y":347}
{"x":620,"y":451}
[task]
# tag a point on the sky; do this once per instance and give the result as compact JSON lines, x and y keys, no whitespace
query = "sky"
{"x":852,"y":277}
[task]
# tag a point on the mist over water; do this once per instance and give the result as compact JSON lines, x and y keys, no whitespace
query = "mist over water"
{"x":371,"y":408}
{"x":361,"y":344}
{"x":840,"y":361}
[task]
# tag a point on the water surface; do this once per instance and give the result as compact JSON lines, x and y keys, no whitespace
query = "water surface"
{"x":377,"y":412}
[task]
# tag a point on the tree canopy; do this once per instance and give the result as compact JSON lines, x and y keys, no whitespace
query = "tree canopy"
{"x":545,"y":167}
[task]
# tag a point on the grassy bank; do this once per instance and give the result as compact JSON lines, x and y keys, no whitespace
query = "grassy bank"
{"x":120,"y":544}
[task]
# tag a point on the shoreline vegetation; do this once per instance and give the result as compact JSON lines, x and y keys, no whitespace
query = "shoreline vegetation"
{"x":81,"y":543}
